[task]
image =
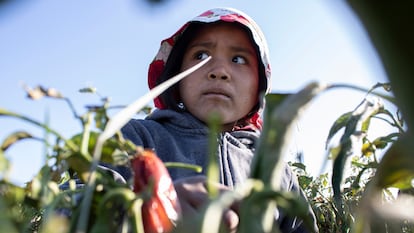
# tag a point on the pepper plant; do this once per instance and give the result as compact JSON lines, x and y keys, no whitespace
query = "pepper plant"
{"x":43,"y":206}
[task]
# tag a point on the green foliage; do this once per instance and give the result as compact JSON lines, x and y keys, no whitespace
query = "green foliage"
{"x":41,"y":205}
{"x":360,"y":180}
{"x":362,"y":183}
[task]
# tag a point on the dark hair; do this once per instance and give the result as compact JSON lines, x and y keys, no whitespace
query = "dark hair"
{"x":171,"y":97}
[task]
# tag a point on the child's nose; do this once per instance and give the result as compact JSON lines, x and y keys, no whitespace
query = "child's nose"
{"x":219,"y":71}
{"x":214,"y":75}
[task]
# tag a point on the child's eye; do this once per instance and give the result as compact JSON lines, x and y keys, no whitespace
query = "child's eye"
{"x":239,"y":60}
{"x":201,"y":55}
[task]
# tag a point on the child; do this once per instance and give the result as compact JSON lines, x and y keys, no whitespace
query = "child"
{"x":230,"y":85}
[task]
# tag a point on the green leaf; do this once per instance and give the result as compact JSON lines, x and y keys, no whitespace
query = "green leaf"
{"x":350,"y":140}
{"x":388,"y":29}
{"x":213,"y":170}
{"x":345,"y":150}
{"x":299,"y":165}
{"x":339,"y":123}
{"x":6,"y":221}
{"x":115,"y":201}
{"x":396,"y":168}
{"x":305,"y":181}
{"x":281,"y":112}
{"x":382,"y":142}
{"x":4,"y":162}
{"x":192,"y":167}
{"x":365,"y":124}
{"x":13,"y":138}
{"x":108,"y":150}
{"x":291,"y":203}
{"x":80,"y":164}
{"x":88,"y":90}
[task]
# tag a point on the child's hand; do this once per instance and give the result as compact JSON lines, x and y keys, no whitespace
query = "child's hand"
{"x":193,"y":196}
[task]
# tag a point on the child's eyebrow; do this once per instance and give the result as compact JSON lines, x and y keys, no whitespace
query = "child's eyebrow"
{"x":201,"y":44}
{"x":234,"y":48}
{"x":244,"y":50}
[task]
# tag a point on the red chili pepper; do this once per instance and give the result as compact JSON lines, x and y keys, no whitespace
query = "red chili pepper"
{"x":162,"y":209}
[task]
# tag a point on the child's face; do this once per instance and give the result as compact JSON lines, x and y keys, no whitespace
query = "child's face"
{"x":228,"y":83}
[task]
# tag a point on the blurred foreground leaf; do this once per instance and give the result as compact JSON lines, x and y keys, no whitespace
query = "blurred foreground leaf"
{"x":396,"y":168}
{"x":281,"y":113}
{"x":389,"y":26}
{"x":13,"y":138}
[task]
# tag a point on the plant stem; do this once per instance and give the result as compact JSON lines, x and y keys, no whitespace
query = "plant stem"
{"x":69,"y":143}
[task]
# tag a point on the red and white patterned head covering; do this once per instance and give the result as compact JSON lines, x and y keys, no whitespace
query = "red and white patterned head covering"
{"x":157,"y":66}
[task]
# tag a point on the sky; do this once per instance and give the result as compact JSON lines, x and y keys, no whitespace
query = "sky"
{"x":106,"y":44}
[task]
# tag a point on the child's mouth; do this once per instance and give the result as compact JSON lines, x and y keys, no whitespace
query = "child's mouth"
{"x":214,"y":94}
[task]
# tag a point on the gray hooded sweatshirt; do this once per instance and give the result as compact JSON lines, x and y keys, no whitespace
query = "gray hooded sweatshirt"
{"x":180,"y":137}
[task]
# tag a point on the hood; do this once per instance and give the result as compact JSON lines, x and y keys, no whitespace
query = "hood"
{"x":157,"y":66}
